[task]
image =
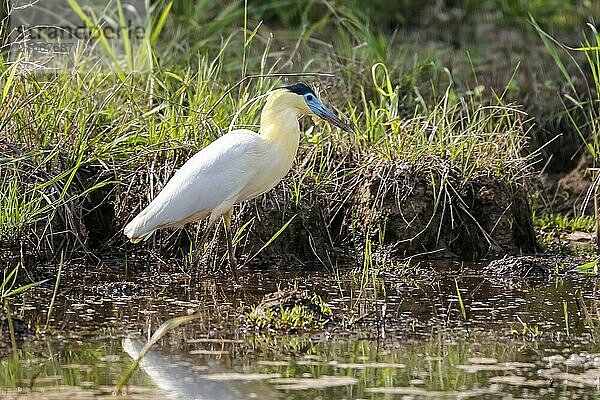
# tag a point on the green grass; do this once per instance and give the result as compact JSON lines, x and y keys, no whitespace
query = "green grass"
{"x":441,"y":358}
{"x":11,"y":288}
{"x":565,"y":223}
{"x":41,"y":358}
{"x":162,"y":330}
{"x":580,"y":102}
{"x":552,"y":230}
{"x":526,"y":331}
{"x":17,"y":211}
{"x":590,"y":268}
{"x":286,"y":317}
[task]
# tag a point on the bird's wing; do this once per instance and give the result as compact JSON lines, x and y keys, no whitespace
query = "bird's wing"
{"x":208,"y":182}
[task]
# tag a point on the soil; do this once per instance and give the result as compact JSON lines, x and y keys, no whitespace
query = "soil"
{"x":570,"y":191}
{"x":522,"y":267}
{"x":394,"y":206}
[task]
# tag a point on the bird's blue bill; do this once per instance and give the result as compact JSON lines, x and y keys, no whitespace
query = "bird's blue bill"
{"x":325,"y":113}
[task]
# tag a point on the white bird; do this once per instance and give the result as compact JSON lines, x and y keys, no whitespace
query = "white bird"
{"x":236,"y":167}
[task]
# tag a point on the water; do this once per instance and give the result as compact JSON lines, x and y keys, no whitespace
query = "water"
{"x":395,"y":338}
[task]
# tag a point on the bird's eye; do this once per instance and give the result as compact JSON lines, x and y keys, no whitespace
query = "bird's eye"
{"x":309,"y":97}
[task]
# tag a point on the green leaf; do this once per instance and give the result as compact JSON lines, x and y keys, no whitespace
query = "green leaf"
{"x":25,"y":287}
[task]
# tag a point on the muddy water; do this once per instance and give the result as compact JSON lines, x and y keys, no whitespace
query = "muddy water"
{"x":396,"y":337}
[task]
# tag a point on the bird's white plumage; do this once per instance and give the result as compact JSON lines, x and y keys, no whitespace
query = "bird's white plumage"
{"x":238,"y":166}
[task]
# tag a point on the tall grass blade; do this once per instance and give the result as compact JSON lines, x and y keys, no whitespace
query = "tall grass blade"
{"x":160,"y":23}
{"x":165,"y":328}
{"x":460,"y":300}
{"x":566,"y":315}
{"x":275,"y":236}
{"x":56,"y":285}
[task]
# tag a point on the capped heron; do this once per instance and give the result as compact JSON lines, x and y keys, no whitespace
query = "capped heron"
{"x":238,"y":166}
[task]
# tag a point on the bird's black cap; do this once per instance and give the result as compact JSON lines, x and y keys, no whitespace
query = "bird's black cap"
{"x":300,"y":88}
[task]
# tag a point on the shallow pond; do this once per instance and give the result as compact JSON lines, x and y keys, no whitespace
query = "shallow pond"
{"x":398,"y":337}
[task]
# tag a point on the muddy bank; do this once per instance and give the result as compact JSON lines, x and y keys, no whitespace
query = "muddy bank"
{"x":400,"y":210}
{"x":396,"y":208}
{"x":363,"y":203}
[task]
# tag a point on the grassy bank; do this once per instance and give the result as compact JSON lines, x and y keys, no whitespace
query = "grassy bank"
{"x":438,"y":123}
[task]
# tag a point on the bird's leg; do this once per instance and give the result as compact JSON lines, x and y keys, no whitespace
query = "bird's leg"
{"x":200,"y":245}
{"x":232,"y":262}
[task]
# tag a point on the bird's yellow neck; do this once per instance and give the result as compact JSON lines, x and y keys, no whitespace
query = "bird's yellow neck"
{"x":279,"y":122}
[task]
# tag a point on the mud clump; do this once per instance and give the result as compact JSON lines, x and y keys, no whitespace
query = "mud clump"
{"x":20,"y":329}
{"x":520,"y":267}
{"x":118,"y":289}
{"x":405,"y":210}
{"x":431,"y":211}
{"x":290,"y":311}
